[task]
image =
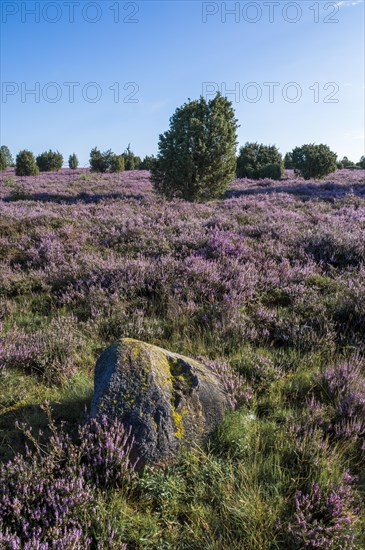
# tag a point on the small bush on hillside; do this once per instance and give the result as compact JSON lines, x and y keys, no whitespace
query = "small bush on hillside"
{"x":3,"y":164}
{"x":272,"y":171}
{"x":7,"y":156}
{"x":346,"y":163}
{"x":26,"y":164}
{"x":288,"y":161}
{"x":116,"y":163}
{"x":361,"y":162}
{"x":256,"y":161}
{"x":73,"y":161}
{"x":147,"y":163}
{"x":197,"y":155}
{"x":314,"y":161}
{"x":50,"y":161}
{"x":106,"y":162}
{"x":131,"y":161}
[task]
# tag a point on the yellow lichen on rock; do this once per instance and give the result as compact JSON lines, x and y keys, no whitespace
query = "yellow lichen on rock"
{"x":179,"y":425}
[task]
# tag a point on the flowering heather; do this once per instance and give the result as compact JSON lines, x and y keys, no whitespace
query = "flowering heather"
{"x":343,"y":389}
{"x":238,"y":392}
{"x":324,"y":519}
{"x":105,"y":448}
{"x":41,"y":499}
{"x":270,"y":279}
{"x":280,"y":262}
{"x":47,"y":499}
{"x":48,"y":352}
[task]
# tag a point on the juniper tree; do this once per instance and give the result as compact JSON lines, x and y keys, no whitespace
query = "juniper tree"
{"x":314,"y":161}
{"x":6,"y":156}
{"x":26,"y":164}
{"x":50,"y":161}
{"x":197,"y":155}
{"x":73,"y":161}
{"x":257,"y":161}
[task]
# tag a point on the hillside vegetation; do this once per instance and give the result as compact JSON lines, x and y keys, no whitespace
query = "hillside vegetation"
{"x":269,"y":281}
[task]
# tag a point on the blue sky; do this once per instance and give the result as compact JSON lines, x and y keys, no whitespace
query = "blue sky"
{"x":293,"y":70}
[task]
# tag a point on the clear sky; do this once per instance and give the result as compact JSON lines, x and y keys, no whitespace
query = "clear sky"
{"x":111,"y":73}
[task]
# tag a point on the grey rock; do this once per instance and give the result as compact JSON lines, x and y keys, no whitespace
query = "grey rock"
{"x":169,"y":400}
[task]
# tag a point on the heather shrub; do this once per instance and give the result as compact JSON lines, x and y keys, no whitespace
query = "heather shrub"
{"x":334,"y":248}
{"x":235,"y":386}
{"x":26,"y":164}
{"x":16,"y":188}
{"x":48,"y":352}
{"x":49,"y":161}
{"x":314,"y":161}
{"x":256,"y":161}
{"x":342,"y":387}
{"x":324,"y":518}
{"x":73,"y":161}
{"x":106,"y":448}
{"x":44,"y":499}
{"x":257,"y":368}
{"x":48,"y":497}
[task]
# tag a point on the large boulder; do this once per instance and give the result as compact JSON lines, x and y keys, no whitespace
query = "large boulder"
{"x":169,"y":400}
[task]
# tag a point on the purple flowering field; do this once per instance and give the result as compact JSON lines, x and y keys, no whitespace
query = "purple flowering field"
{"x":266,"y":285}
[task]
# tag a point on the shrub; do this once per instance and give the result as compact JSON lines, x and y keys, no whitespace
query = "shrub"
{"x":346,"y":163}
{"x":50,"y":161}
{"x":47,"y":498}
{"x":324,"y":519}
{"x":288,"y":161}
{"x":43,"y":496}
{"x":73,"y":161}
{"x":343,"y":387}
{"x":131,"y":161}
{"x":116,"y":163}
{"x":314,"y":161}
{"x":256,"y":161}
{"x":6,"y":155}
{"x":106,"y":447}
{"x":3,"y":164}
{"x":106,"y":162}
{"x":147,"y":163}
{"x":235,"y":386}
{"x":16,"y":188}
{"x":196,"y":158}
{"x":273,"y":171}
{"x":98,"y":160}
{"x":49,"y":352}
{"x":26,"y":164}
{"x":361,"y":162}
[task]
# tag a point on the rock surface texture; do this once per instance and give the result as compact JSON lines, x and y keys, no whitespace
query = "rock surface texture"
{"x":168,"y":399}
